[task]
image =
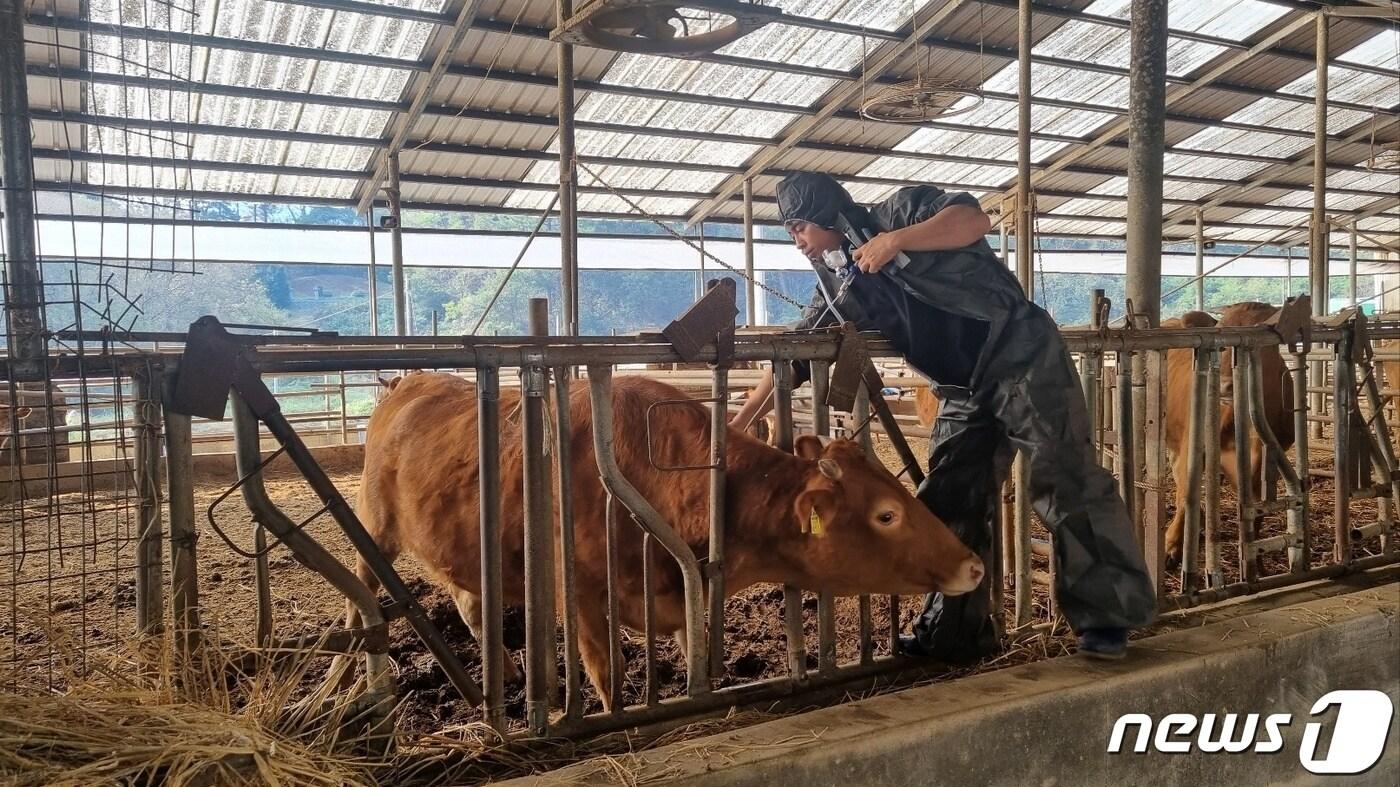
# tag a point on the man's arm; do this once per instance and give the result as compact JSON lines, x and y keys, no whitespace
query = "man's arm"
{"x":954,"y":227}
{"x":758,"y":404}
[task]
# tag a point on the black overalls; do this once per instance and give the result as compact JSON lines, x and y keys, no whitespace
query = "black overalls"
{"x":1006,"y":383}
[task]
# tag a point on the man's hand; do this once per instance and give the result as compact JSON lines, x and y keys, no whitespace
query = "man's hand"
{"x":877,"y":252}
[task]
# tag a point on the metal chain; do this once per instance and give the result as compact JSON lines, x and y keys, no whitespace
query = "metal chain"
{"x":687,"y":241}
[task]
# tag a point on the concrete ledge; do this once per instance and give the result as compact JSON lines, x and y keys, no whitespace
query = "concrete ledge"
{"x":1049,"y":723}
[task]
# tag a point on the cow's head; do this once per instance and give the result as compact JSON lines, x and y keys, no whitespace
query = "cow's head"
{"x":867,"y":534}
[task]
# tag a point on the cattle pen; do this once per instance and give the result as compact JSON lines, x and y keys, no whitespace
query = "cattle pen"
{"x":232,"y":228}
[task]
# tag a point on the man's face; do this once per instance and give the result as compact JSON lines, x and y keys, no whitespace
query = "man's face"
{"x":813,"y":240}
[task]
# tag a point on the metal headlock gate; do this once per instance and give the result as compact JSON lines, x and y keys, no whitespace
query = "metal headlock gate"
{"x":215,"y":362}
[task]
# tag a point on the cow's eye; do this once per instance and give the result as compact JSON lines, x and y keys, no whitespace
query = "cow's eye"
{"x":885,"y":518}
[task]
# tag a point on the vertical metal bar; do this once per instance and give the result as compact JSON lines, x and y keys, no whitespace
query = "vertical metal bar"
{"x":1025,"y":204}
{"x":1200,"y":259}
{"x":750,"y":296}
{"x":1154,"y":495}
{"x":488,"y":421}
{"x":373,"y":276}
{"x":262,"y":582}
{"x":617,"y":668}
{"x":1214,"y":571}
{"x":1351,"y":272}
{"x":24,"y":295}
{"x":184,"y":567}
{"x":653,"y":690}
{"x":792,"y":596}
{"x":149,"y":565}
{"x":564,"y":473}
{"x":714,"y":569}
{"x":1301,"y":555}
{"x":859,"y":410}
{"x":568,"y":179}
{"x":1195,"y":430}
{"x":1343,"y":408}
{"x":1244,"y":487}
{"x":1021,"y":539}
{"x":401,"y":326}
{"x":1123,"y":423}
{"x":539,"y":537}
{"x":1321,"y":230}
{"x":826,"y":603}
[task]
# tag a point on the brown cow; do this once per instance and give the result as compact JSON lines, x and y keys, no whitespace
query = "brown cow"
{"x":420,"y":495}
{"x":926,"y":406}
{"x":1278,"y":406}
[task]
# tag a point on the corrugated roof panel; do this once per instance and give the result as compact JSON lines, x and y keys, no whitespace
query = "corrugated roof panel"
{"x":1251,"y":143}
{"x":1074,"y":227}
{"x":972,"y":144}
{"x":1236,"y":20}
{"x":631,"y":178}
{"x":937,"y":172}
{"x":1089,"y":87}
{"x":1091,"y":43}
{"x":715,"y":79}
{"x":1381,"y":49}
{"x":1383,"y":183}
{"x":1388,"y":224}
{"x":680,"y":115}
{"x":1094,"y":207}
{"x":1348,"y":84}
{"x":1172,"y":189}
{"x":1186,"y":165}
{"x":1281,"y":113}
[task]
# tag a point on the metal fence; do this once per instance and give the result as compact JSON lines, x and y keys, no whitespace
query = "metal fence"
{"x":1241,"y":539}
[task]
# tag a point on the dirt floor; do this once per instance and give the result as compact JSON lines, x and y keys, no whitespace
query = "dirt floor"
{"x":98,"y":605}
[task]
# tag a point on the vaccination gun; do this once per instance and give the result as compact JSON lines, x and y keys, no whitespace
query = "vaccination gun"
{"x":855,"y":225}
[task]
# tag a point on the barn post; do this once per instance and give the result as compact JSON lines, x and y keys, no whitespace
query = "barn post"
{"x":1215,"y":576}
{"x":1025,"y":215}
{"x":1146,"y":144}
{"x":1190,"y":535}
{"x":401,"y":326}
{"x":826,"y":602}
{"x":860,"y":409}
{"x":184,"y":567}
{"x":1200,"y":260}
{"x":1351,"y":270}
{"x":792,"y":596}
{"x":488,"y":420}
{"x":750,"y":295}
{"x":1244,"y":486}
{"x":568,"y":180}
{"x":24,"y":296}
{"x":1343,"y":404}
{"x":373,"y":277}
{"x":150,"y":568}
{"x":1300,"y":555}
{"x":719,"y":433}
{"x":1321,"y":230}
{"x":563,"y":466}
{"x":539,"y":536}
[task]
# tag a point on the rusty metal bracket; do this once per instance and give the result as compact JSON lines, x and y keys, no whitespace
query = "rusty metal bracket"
{"x":1293,"y":322}
{"x":847,"y":373}
{"x":673,"y":403}
{"x":708,"y":320}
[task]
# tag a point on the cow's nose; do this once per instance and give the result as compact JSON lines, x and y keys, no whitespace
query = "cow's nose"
{"x":967,"y":578}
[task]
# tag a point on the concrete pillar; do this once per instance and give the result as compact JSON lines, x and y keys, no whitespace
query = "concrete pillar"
{"x":1321,"y":232}
{"x":396,"y":247}
{"x":568,"y":181}
{"x":1146,"y":131}
{"x":749,"y":288}
{"x":23,"y":299}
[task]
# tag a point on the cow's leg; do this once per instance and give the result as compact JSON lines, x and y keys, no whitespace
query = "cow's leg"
{"x":469,"y":607}
{"x":683,"y":642}
{"x":1180,"y":466}
{"x":593,"y":645}
{"x":341,"y":671}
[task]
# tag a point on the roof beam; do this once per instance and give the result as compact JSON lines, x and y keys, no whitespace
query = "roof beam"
{"x":548,"y":121}
{"x":422,"y":89}
{"x":836,"y":99}
{"x":378,"y":9}
{"x":1264,"y":177}
{"x":1117,"y":128}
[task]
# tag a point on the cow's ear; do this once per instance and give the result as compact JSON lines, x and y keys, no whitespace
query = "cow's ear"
{"x":819,"y":501}
{"x":808,"y":446}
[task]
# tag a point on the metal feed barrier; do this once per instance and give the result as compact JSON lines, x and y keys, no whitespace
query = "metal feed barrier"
{"x":215,"y":362}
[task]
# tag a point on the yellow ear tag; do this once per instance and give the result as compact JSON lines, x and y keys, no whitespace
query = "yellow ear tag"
{"x":814,"y":523}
